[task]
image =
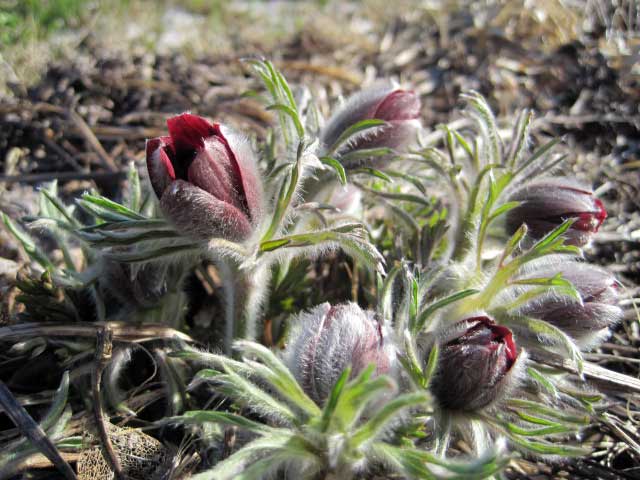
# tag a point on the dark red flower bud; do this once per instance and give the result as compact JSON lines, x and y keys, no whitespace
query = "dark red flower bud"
{"x":328,"y":339}
{"x":475,"y":365}
{"x":399,"y":108}
{"x":586,"y":322}
{"x":206,"y":178}
{"x":547,"y":203}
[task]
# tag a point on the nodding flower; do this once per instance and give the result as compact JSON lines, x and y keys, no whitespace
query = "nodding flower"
{"x":400,"y":109}
{"x":546,"y":203}
{"x":586,"y":320}
{"x":329,"y":338}
{"x":475,"y":366}
{"x":206,"y":179}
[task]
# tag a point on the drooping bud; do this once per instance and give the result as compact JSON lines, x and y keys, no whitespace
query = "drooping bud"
{"x":547,"y":203}
{"x":206,"y":179}
{"x":586,"y":321}
{"x":399,"y":108}
{"x":475,"y":365}
{"x":328,"y":339}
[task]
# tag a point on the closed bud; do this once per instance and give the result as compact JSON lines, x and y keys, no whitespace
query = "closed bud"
{"x":399,"y":108}
{"x":475,"y":366}
{"x":546,"y":203}
{"x":587,"y":320}
{"x":206,"y":178}
{"x":328,"y":339}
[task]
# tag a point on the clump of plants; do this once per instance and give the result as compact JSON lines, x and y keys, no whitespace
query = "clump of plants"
{"x":465,"y":254}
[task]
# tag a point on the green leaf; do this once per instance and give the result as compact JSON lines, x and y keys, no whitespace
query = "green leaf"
{"x":431,"y":309}
{"x":540,"y":327}
{"x":354,"y":156}
{"x":357,"y":394}
{"x":27,"y":243}
{"x":487,"y":123}
{"x":513,"y":243}
{"x":430,"y":367}
{"x":57,"y":204}
{"x":546,"y":448}
{"x":108,"y":209}
{"x":374,"y":173}
{"x":292,"y":114}
{"x":403,"y":197}
{"x":355,"y":129}
{"x":279,"y":376}
{"x":278,"y":441}
{"x":464,"y":144}
{"x":518,"y":404}
{"x":412,"y":179}
{"x":332,"y":401}
{"x":348,"y":237}
{"x":154,"y":253}
{"x":271,"y":245}
{"x":197,"y":417}
{"x":285,"y":195}
{"x":282,"y":82}
{"x":502,"y":209}
{"x":537,"y":155}
{"x":543,"y":381}
{"x":382,"y":417}
{"x":337,"y":166}
{"x":385,"y":296}
{"x":520,"y":136}
{"x":248,"y":394}
{"x":538,"y":432}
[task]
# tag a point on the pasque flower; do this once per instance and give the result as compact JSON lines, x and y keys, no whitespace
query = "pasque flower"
{"x":587,"y":320}
{"x":475,"y":365}
{"x":329,"y":338}
{"x":206,"y":178}
{"x":399,"y":108}
{"x":546,"y":203}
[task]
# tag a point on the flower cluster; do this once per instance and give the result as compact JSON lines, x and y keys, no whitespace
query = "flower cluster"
{"x":471,"y":358}
{"x":469,"y":270}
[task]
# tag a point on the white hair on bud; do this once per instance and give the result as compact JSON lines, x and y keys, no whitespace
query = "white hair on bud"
{"x":324,"y":340}
{"x":355,"y":107}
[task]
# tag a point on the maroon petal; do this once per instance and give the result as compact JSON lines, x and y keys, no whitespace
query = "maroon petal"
{"x":248,"y":182}
{"x":399,"y":105}
{"x":591,"y":221}
{"x":211,"y":171}
{"x":201,"y":215}
{"x":189,"y":131}
{"x":159,"y":166}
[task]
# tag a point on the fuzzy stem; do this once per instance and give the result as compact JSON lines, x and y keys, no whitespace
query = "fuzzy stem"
{"x":254,"y":283}
{"x":244,"y":292}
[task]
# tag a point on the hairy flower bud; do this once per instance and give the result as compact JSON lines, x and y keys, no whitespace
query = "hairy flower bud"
{"x":328,"y":339}
{"x":399,"y":108}
{"x":547,"y":203}
{"x":206,"y":178}
{"x":475,"y":365}
{"x":585,"y":321}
